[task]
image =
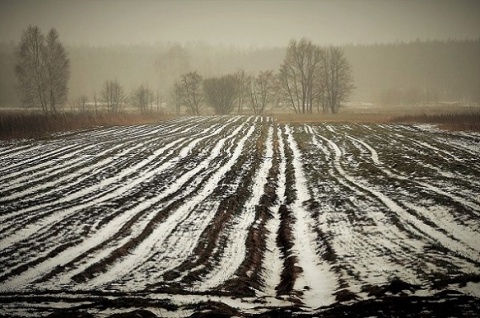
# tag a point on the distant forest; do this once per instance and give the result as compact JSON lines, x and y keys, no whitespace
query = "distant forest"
{"x":415,"y":73}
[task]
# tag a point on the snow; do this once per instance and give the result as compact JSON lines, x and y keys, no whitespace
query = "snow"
{"x":273,"y":262}
{"x":178,"y":243}
{"x":381,"y":222}
{"x":235,"y":249}
{"x":317,"y":281}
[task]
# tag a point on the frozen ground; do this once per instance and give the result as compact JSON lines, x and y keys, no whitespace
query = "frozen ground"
{"x":238,"y":211}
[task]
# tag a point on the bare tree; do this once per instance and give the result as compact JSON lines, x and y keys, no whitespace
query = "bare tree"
{"x":221,"y":93}
{"x":81,"y":103}
{"x":262,"y":88}
{"x":243,"y":81}
{"x":58,"y":71}
{"x":322,"y":83}
{"x":158,"y":101}
{"x":337,"y":80}
{"x":191,"y":91}
{"x":176,"y":97}
{"x":30,"y":68}
{"x":113,"y":95}
{"x":142,"y":98}
{"x":297,"y":75}
{"x":95,"y":102}
{"x":310,"y":75}
{"x":42,"y":70}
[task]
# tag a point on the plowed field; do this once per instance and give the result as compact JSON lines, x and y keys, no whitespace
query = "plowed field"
{"x":240,"y":215}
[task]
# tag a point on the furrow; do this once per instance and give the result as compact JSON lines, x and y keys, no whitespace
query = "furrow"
{"x":162,"y":231}
{"x":272,"y":265}
{"x":442,"y":217}
{"x":234,"y":249}
{"x":157,"y":171}
{"x":403,"y":214}
{"x":316,"y":282}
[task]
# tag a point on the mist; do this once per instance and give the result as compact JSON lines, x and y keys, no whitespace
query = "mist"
{"x":242,"y":23}
{"x":394,"y":47}
{"x":239,"y":158}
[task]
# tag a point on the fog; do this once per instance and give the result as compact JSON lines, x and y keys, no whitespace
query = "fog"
{"x":242,"y":23}
{"x":427,"y":49}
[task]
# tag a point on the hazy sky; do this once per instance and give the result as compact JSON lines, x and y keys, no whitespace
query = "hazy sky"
{"x":242,"y":23}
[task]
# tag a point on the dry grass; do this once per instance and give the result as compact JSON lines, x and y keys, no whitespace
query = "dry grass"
{"x":17,"y":125}
{"x":467,"y":122}
{"x":445,"y":116}
{"x":332,"y":118}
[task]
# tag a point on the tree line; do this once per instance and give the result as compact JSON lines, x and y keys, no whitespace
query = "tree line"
{"x":42,"y":69}
{"x":310,"y":77}
{"x":401,"y":73}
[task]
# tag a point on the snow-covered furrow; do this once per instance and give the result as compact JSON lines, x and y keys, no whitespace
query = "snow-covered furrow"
{"x":144,"y":131}
{"x":317,"y":280}
{"x":370,"y":254}
{"x":374,"y":249}
{"x":10,"y":153}
{"x":370,"y":248}
{"x":38,"y":188}
{"x":458,"y":141}
{"x":82,"y":157}
{"x":272,"y":263}
{"x":418,"y":186}
{"x":431,"y":234}
{"x":99,"y":236}
{"x":78,"y":200}
{"x":99,"y":249}
{"x":139,"y":210}
{"x":413,"y":161}
{"x":216,"y":129}
{"x":444,"y":218}
{"x":391,"y":172}
{"x":68,"y":186}
{"x":203,"y":166}
{"x":151,"y":204}
{"x":208,"y":246}
{"x":65,"y":300}
{"x":330,"y":128}
{"x":444,"y":154}
{"x":458,"y":155}
{"x":176,"y":248}
{"x":30,"y":185}
{"x":28,"y":147}
{"x":440,"y":216}
{"x":58,"y":164}
{"x":180,"y":237}
{"x":45,"y":236}
{"x":470,"y":148}
{"x":234,"y":248}
{"x":449,"y":144}
{"x":130,"y":133}
{"x":458,"y":164}
{"x":158,"y":170}
{"x":115,"y":188}
{"x":146,"y":148}
{"x":37,"y":161}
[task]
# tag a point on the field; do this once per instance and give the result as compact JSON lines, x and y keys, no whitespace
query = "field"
{"x":241,"y":216}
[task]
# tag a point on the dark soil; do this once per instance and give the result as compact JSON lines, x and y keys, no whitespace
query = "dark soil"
{"x":444,"y":304}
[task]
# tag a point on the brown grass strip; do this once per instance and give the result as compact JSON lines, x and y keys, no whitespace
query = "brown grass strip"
{"x":19,"y":125}
{"x":454,"y":122}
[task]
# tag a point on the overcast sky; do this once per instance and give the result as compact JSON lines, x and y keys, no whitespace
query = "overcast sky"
{"x":242,"y":23}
